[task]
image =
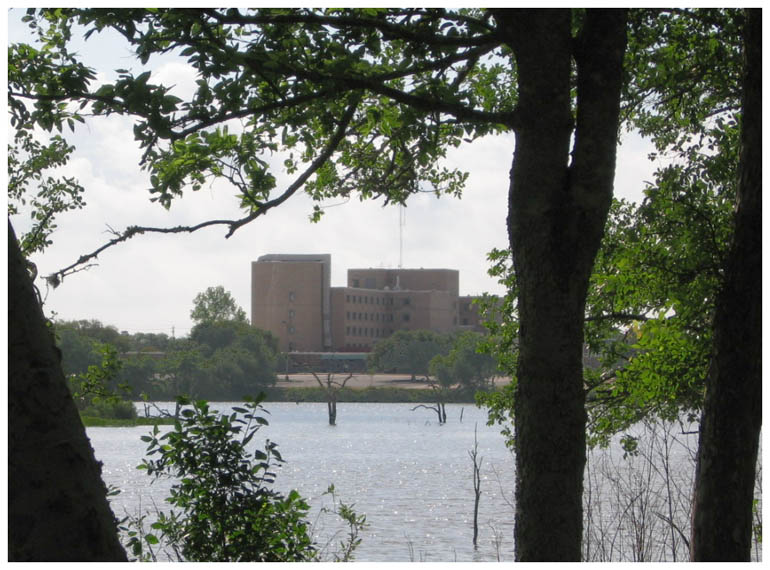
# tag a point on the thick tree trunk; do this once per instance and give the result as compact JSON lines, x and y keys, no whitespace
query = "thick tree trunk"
{"x":57,"y":505}
{"x":732,"y":413}
{"x":557,"y":214}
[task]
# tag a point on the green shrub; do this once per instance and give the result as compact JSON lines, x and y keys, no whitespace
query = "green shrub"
{"x":227,"y":511}
{"x":111,"y":409}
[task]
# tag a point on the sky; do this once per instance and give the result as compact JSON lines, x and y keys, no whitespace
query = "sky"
{"x":148,"y":283}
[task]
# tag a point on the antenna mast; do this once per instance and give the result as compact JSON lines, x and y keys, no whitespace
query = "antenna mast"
{"x":401,"y":224}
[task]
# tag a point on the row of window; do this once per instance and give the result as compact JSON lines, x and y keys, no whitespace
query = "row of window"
{"x":367,"y":332}
{"x":367,"y":300}
{"x":352,"y":316}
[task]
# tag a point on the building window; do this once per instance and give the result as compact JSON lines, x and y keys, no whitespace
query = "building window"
{"x":347,"y":330}
{"x":407,"y":301}
{"x":405,"y":317}
{"x":366,"y":316}
{"x":347,"y":298}
{"x":292,"y":330}
{"x":292,"y":296}
{"x":292,"y":313}
{"x":465,"y":321}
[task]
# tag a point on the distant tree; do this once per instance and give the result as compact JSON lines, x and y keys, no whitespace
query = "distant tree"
{"x":464,"y":368}
{"x":408,"y":352}
{"x":141,"y":373}
{"x":79,"y":343}
{"x":238,"y":359}
{"x":213,"y":335}
{"x":182,"y":369}
{"x":77,"y":349}
{"x":467,"y":367}
{"x":215,"y":305}
{"x":149,"y":342}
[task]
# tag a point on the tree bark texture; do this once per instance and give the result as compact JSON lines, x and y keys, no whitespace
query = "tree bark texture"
{"x":732,"y":412}
{"x":57,"y":504}
{"x":557,"y":214}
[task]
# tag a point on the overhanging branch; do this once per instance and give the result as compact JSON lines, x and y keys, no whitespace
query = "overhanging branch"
{"x":258,"y":209}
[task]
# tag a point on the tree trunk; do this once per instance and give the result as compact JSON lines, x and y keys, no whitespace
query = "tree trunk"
{"x":57,"y":505}
{"x":732,"y":412}
{"x":557,"y":213}
{"x":332,"y":412}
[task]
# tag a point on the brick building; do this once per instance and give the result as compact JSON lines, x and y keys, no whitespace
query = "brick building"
{"x":292,"y":296}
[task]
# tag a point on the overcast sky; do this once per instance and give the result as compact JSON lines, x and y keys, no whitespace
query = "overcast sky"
{"x":148,"y":283}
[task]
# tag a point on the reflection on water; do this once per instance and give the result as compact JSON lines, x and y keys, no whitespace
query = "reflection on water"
{"x":410,"y":476}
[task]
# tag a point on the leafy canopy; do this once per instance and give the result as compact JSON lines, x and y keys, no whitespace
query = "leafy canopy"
{"x":408,"y":352}
{"x":214,"y":305}
{"x":343,"y":102}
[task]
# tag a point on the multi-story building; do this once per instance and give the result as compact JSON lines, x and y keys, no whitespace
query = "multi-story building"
{"x":291,"y":296}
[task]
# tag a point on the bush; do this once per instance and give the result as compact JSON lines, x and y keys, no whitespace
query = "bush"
{"x":111,"y":409}
{"x":226,"y":510}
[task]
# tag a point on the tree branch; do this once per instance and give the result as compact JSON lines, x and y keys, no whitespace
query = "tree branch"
{"x":617,"y":316}
{"x":388,"y":29}
{"x":262,"y":207}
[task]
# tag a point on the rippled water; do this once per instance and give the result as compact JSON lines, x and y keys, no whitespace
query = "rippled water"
{"x":410,"y":476}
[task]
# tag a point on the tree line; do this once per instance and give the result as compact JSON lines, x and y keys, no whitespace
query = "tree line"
{"x":223,"y":358}
{"x":227,"y":359}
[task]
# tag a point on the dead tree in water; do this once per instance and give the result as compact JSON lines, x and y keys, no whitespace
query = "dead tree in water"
{"x":331,"y":387}
{"x":441,"y":393}
{"x":474,"y":454}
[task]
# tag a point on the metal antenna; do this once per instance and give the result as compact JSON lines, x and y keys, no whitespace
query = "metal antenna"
{"x":401,"y":224}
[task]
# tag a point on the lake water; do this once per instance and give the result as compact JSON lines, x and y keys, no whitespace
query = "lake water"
{"x":412,"y":478}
